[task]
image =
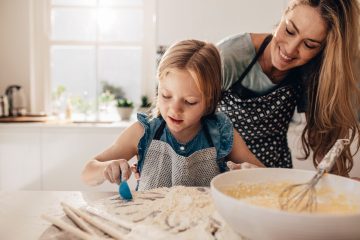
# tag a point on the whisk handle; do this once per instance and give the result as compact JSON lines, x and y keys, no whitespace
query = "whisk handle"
{"x":328,"y":161}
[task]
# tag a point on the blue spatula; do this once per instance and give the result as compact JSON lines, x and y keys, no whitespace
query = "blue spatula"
{"x":124,"y":190}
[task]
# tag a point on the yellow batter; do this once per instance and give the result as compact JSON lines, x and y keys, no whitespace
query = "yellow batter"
{"x":267,"y":195}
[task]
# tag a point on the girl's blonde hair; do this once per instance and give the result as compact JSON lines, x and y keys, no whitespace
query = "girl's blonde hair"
{"x":202,"y":61}
{"x":333,"y":87}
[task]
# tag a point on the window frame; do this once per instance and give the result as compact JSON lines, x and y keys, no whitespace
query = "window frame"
{"x":40,"y":45}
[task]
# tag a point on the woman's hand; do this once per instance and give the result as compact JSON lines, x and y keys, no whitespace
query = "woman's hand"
{"x":117,"y":169}
{"x":233,"y":166}
{"x":356,"y":178}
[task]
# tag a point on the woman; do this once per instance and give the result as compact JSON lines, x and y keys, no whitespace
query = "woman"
{"x":308,"y":63}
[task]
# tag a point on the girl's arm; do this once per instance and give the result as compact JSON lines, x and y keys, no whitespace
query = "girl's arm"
{"x":240,"y":152}
{"x":112,"y":162}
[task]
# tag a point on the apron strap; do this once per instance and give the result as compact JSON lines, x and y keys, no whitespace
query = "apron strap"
{"x":159,"y":130}
{"x":156,"y":137}
{"x":236,"y":87}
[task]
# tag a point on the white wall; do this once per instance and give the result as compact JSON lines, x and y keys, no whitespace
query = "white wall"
{"x":177,"y":19}
{"x":213,"y":20}
{"x":209,"y":20}
{"x":14,"y":44}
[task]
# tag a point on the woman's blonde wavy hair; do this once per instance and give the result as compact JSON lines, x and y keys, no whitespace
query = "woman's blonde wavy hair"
{"x":333,"y":87}
{"x":202,"y":60}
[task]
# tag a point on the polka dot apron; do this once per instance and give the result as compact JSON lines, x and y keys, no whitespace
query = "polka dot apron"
{"x":262,"y":121}
{"x":163,"y":167}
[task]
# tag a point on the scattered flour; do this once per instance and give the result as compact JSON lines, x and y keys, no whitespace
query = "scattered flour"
{"x":164,"y":213}
{"x":177,"y":213}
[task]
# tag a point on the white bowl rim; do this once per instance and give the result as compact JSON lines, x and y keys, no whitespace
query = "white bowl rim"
{"x":276,"y":211}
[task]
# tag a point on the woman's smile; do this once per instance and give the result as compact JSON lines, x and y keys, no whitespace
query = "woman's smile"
{"x":284,"y":56}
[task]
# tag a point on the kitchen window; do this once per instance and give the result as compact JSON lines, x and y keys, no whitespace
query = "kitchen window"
{"x":95,"y":45}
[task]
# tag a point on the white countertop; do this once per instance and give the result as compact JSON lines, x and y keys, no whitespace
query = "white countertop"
{"x":20,"y":211}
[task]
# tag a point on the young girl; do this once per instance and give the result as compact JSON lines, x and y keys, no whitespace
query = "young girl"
{"x":186,"y":142}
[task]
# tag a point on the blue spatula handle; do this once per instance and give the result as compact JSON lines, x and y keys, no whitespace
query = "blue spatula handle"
{"x":124,"y":190}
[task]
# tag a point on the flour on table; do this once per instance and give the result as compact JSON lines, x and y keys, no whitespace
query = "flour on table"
{"x":163,"y":213}
{"x":178,"y":212}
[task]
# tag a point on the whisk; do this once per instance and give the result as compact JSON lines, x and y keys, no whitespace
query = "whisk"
{"x":302,"y":197}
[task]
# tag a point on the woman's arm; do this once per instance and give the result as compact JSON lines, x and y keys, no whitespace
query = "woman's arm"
{"x":232,"y":50}
{"x":240,"y":152}
{"x":112,"y":162}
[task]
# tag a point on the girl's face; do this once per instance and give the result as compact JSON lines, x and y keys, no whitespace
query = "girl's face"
{"x":181,"y":103}
{"x":299,"y":37}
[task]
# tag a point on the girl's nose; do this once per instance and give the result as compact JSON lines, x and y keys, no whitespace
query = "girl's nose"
{"x":176,"y":106}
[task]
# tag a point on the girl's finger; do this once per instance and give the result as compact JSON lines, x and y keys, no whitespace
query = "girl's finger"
{"x":115,"y":168}
{"x":125,"y":169}
{"x":135,"y":171}
{"x":133,"y":168}
{"x":107,"y":175}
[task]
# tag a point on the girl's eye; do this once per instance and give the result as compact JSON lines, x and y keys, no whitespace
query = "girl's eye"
{"x":289,"y":32}
{"x":165,"y":96}
{"x":190,"y":103}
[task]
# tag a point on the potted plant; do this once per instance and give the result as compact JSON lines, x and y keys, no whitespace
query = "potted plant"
{"x":125,"y":108}
{"x":145,"y":105}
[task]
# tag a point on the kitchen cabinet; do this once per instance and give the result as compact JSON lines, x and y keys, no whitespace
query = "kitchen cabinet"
{"x":51,"y":157}
{"x":20,"y":162}
{"x":40,"y":156}
{"x":65,"y":152}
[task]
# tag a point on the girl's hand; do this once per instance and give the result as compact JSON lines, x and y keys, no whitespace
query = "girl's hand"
{"x":233,"y":166}
{"x":135,"y":171}
{"x":116,"y":169}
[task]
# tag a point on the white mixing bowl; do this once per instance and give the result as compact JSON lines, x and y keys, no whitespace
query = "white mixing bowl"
{"x":261,"y":223}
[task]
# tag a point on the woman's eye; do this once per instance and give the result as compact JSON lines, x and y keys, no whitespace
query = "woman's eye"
{"x":165,"y":96}
{"x":309,"y":46}
{"x":289,"y":32}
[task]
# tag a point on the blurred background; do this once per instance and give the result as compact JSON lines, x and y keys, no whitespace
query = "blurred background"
{"x":62,"y":52}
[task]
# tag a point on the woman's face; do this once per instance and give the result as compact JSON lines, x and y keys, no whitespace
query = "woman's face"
{"x":299,"y":37}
